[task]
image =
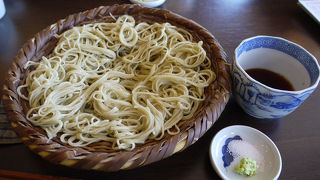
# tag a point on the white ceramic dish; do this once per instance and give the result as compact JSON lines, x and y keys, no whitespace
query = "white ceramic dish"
{"x":2,"y":9}
{"x":271,"y":165}
{"x":150,"y":3}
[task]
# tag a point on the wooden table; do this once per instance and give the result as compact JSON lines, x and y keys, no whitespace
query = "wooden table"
{"x":230,"y":21}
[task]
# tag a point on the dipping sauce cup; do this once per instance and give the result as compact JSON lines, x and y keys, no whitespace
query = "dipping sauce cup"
{"x":280,"y":56}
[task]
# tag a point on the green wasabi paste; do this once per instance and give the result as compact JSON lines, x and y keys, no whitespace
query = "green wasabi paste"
{"x":246,"y":167}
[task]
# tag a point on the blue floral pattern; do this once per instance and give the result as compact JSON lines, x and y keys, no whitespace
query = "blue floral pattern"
{"x":227,"y":155}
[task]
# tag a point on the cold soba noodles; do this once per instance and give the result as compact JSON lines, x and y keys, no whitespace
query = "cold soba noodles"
{"x":118,"y":82}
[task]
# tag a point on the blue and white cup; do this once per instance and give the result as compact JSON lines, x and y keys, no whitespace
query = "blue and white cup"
{"x":280,"y":56}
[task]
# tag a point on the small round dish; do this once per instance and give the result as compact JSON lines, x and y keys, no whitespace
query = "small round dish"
{"x":149,"y":3}
{"x":269,"y":158}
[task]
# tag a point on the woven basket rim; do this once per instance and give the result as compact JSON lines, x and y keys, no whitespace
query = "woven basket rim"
{"x":82,"y":158}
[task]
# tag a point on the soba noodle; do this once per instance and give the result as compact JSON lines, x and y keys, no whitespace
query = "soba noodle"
{"x":119,"y":82}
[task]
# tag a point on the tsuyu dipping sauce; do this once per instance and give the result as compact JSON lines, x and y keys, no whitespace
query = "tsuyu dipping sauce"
{"x":271,"y":79}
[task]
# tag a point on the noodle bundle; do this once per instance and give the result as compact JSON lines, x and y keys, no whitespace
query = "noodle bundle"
{"x":119,"y":82}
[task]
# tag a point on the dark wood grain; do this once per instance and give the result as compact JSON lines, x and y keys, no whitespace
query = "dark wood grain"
{"x":5,"y":174}
{"x":230,"y":21}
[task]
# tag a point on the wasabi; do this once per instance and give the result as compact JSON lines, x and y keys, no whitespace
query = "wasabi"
{"x":247,"y":167}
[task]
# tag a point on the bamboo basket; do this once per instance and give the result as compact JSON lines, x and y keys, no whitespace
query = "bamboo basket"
{"x":99,"y":156}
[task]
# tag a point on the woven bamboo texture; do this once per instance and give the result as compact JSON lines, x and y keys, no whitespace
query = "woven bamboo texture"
{"x":99,"y":156}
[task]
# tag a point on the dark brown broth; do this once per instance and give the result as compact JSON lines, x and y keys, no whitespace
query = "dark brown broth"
{"x":270,"y":79}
